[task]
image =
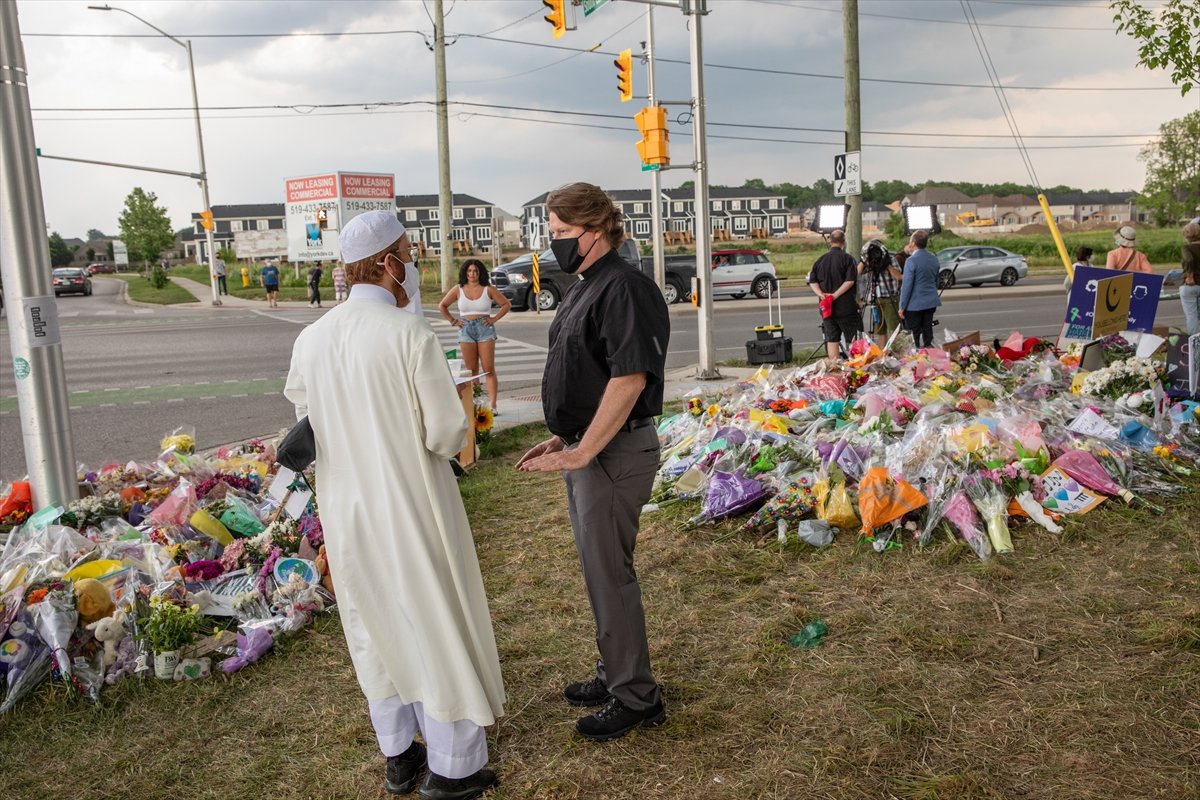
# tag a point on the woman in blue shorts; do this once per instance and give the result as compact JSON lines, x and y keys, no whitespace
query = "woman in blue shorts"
{"x":476,"y":322}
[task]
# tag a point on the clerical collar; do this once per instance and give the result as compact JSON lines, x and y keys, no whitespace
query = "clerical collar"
{"x":373,"y":293}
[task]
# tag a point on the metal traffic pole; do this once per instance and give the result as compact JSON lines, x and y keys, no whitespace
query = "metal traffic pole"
{"x":656,"y":220}
{"x":696,"y":9}
{"x":445,"y":194}
{"x":35,"y":342}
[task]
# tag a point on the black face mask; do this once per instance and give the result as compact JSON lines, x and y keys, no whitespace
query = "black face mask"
{"x":566,"y":253}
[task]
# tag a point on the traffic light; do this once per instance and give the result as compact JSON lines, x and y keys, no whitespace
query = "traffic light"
{"x":624,"y":65}
{"x":206,"y":220}
{"x":654,"y":147}
{"x":557,"y":16}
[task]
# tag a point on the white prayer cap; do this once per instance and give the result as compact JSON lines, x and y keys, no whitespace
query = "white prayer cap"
{"x":369,"y":233}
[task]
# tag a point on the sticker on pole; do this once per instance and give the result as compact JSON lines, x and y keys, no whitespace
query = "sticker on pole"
{"x":21,"y":368}
{"x":41,"y":321}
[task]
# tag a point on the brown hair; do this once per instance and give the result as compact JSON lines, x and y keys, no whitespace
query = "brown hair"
{"x":587,"y":205}
{"x":1191,"y":232}
{"x":920,"y":239}
{"x":369,"y":269}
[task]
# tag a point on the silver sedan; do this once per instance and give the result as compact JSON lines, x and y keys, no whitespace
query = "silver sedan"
{"x":977,"y":265}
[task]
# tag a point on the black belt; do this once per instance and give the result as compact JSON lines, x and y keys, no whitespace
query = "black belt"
{"x":631,"y":425}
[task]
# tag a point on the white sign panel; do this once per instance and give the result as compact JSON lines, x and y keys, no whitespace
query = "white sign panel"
{"x":847,"y":174}
{"x":41,"y":320}
{"x":319,"y":205}
{"x":120,"y":253}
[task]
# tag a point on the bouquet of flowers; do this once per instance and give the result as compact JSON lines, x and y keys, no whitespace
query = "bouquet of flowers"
{"x":961,"y":514}
{"x":976,"y":358}
{"x":92,"y":510}
{"x":169,"y":626}
{"x":993,"y":505}
{"x":1122,"y":378}
{"x":484,"y":421}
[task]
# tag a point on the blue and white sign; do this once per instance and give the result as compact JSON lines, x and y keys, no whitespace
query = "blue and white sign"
{"x":1143,"y":302}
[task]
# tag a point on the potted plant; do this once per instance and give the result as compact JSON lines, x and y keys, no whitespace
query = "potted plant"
{"x":166,"y":630}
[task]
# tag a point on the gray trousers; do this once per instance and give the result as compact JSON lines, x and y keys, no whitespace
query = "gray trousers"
{"x":605,"y":501}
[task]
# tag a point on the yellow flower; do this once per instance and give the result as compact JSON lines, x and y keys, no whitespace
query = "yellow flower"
{"x":713,"y":410}
{"x":484,"y":419}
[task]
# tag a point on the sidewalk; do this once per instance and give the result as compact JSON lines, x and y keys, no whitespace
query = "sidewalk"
{"x":203,"y":294}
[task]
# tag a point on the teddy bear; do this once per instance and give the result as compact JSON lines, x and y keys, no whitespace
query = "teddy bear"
{"x":109,"y":631}
{"x":93,"y":599}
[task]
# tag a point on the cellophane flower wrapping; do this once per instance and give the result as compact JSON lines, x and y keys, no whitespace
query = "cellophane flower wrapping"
{"x":960,"y":512}
{"x":993,"y":505}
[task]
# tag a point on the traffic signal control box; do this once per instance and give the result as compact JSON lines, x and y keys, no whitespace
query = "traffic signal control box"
{"x":654,"y":147}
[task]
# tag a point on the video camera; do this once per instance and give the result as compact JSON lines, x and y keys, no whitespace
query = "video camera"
{"x":876,"y":257}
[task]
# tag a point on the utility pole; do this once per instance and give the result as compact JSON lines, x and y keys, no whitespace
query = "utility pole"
{"x":697,"y":9}
{"x":35,"y":342}
{"x":656,"y":221}
{"x":443,"y":130}
{"x":853,"y":118}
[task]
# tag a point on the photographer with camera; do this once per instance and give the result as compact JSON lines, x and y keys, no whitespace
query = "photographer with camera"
{"x":880,"y":281}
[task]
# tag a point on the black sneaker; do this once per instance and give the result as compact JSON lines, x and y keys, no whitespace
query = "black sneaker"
{"x":616,"y":719}
{"x":404,"y":769}
{"x":435,"y":787}
{"x":587,"y":693}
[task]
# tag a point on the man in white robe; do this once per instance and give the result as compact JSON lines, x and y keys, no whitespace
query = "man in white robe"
{"x":387,"y":418}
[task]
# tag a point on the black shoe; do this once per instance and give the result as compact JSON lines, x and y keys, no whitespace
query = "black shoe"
{"x":404,"y":769}
{"x":587,"y":693}
{"x":616,"y":719}
{"x":435,"y":787}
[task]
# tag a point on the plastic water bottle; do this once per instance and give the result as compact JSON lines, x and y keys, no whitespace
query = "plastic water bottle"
{"x":810,"y":636}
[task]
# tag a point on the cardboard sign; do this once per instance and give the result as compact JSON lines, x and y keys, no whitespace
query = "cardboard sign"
{"x":1111,"y":312}
{"x":1081,"y":304}
{"x":1183,"y":363}
{"x":1066,"y":495}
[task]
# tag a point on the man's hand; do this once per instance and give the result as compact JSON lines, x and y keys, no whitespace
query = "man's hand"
{"x":556,"y":461}
{"x":551,"y":445}
{"x":900,"y":311}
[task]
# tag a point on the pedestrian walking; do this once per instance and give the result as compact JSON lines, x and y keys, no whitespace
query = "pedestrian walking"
{"x":476,"y":324}
{"x":602,"y":388}
{"x":268,"y":278}
{"x":832,"y":279}
{"x":339,"y":282}
{"x":386,"y":419}
{"x":919,"y":290}
{"x":219,"y":271}
{"x":314,"y":285}
{"x":1189,"y":292}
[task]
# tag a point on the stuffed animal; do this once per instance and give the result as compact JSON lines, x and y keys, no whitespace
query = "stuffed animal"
{"x":109,"y":631}
{"x":322,"y":562}
{"x":93,"y":599}
{"x":126,"y":663}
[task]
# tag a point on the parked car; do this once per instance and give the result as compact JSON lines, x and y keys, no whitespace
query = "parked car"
{"x":97,"y":269}
{"x":977,"y":265}
{"x":71,"y":280}
{"x":514,"y":280}
{"x":735,"y":273}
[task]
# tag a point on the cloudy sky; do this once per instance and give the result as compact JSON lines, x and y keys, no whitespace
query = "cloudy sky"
{"x":277,"y":105}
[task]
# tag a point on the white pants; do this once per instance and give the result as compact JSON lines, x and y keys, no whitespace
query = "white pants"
{"x":456,"y":749}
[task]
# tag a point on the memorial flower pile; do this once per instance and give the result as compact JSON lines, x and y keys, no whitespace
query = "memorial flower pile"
{"x":900,"y":443}
{"x":171,"y":568}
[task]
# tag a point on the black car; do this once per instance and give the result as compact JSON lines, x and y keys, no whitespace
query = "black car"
{"x":71,"y":280}
{"x":514,"y":280}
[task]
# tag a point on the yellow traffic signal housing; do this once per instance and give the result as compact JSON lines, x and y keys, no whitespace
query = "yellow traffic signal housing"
{"x":557,"y":16}
{"x":624,"y":65}
{"x":206,"y":220}
{"x":654,"y":146}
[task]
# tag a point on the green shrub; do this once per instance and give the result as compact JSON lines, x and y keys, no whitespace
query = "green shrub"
{"x":158,"y":278}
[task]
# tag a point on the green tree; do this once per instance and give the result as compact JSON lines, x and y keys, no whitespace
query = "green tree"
{"x":91,"y":254}
{"x":94,"y":233}
{"x":894,"y":228}
{"x":60,"y":254}
{"x":1172,"y":190}
{"x":145,"y":227}
{"x":1169,"y":41}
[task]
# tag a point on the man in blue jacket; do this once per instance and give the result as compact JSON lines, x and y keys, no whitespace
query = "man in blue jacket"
{"x":918,"y":290}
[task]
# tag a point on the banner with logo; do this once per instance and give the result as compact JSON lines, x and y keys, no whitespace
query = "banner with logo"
{"x":1081,"y":304}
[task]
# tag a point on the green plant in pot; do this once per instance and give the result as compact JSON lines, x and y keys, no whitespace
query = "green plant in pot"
{"x":167,"y":629}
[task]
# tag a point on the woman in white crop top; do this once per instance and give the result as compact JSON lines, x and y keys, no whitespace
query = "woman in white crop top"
{"x":476,"y":322}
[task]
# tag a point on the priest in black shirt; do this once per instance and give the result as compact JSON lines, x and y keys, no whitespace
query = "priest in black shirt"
{"x":601,"y":390}
{"x":834,"y":276}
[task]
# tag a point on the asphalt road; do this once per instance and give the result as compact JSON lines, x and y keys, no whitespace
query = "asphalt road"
{"x":135,"y":373}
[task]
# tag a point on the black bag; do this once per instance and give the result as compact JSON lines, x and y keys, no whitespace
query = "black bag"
{"x":298,"y":448}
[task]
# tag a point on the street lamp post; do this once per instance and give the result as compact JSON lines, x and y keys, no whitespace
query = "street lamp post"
{"x":208,"y":234}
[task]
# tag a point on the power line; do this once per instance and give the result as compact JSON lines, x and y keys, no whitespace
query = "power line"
{"x":305,"y":108}
{"x":932,"y":20}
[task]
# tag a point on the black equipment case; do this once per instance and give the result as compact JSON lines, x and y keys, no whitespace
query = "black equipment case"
{"x":770,"y":345}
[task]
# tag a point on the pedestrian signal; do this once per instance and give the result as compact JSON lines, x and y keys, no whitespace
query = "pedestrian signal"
{"x":206,"y":220}
{"x":557,"y":16}
{"x":624,"y":65}
{"x":654,"y":146}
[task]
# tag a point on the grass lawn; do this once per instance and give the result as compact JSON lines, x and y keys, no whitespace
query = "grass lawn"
{"x":142,"y":291}
{"x":1067,"y":669}
{"x":291,"y":288}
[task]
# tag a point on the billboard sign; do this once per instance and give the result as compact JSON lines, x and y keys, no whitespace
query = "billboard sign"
{"x":317,"y":206}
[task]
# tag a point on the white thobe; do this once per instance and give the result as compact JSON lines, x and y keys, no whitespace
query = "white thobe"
{"x":387,"y":418}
